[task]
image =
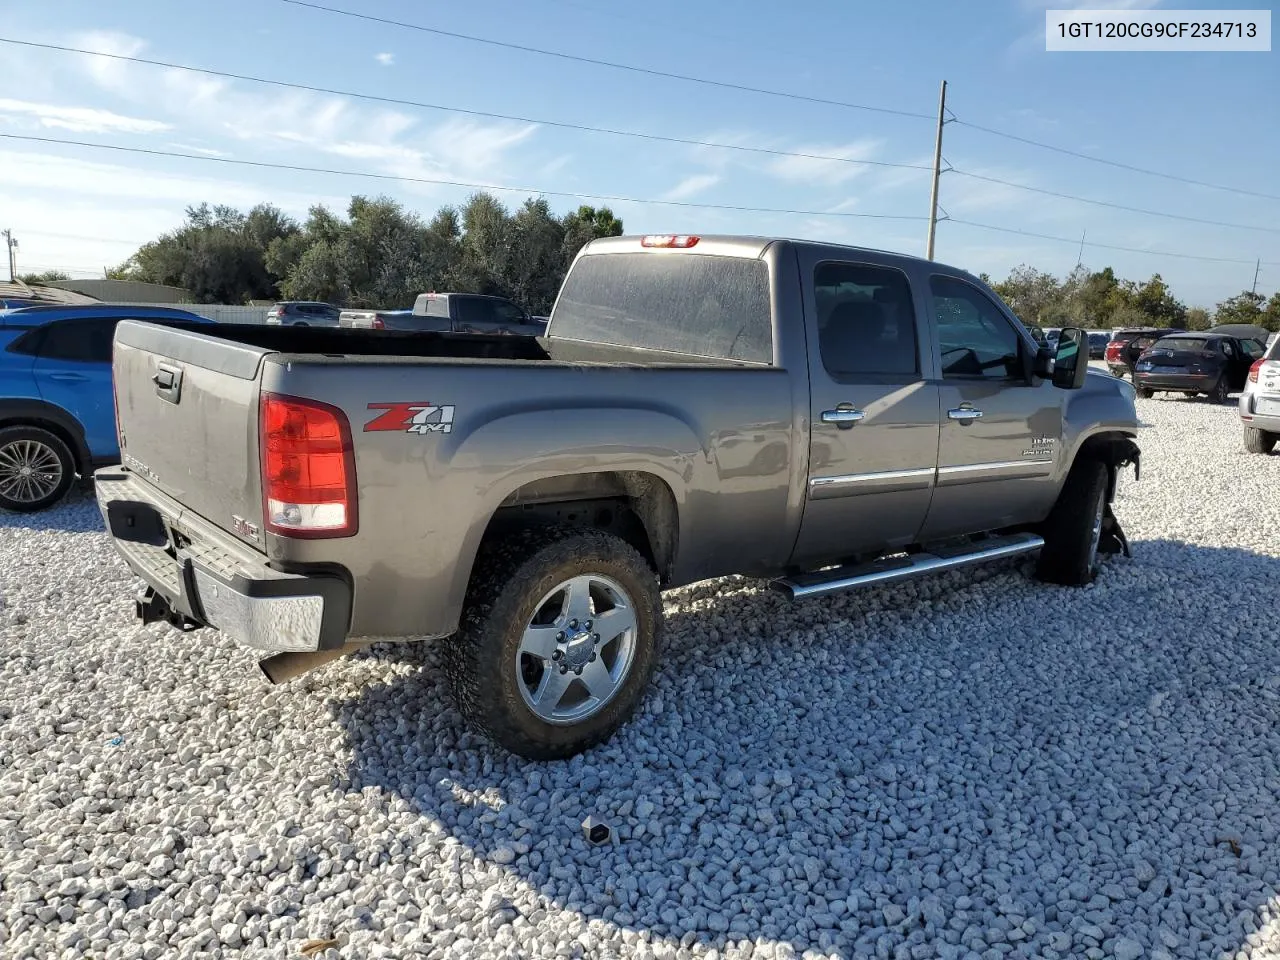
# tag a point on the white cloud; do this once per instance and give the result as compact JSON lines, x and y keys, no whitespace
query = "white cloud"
{"x":76,"y":119}
{"x":692,"y":186}
{"x":386,"y":141}
{"x":829,"y":172}
{"x":66,"y":180}
{"x":386,"y":59}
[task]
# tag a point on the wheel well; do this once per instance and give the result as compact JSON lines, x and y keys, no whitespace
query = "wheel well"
{"x":1115,"y":449}
{"x":635,"y":506}
{"x":59,"y":431}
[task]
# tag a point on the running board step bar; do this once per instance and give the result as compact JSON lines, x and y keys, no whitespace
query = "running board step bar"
{"x":905,"y":567}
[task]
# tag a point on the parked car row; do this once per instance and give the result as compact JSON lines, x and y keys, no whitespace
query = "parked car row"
{"x":431,"y":312}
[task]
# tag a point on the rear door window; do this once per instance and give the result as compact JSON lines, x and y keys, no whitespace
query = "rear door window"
{"x":474,"y":310}
{"x":86,"y":341}
{"x":866,"y":321}
{"x":699,"y":305}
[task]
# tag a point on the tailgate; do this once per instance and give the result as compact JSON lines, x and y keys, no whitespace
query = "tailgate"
{"x":188,"y":410}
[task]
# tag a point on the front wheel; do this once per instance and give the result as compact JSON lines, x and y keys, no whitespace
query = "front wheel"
{"x":36,"y":469}
{"x":557,"y":642}
{"x":1259,"y":441}
{"x":1144,"y":392}
{"x":1074,"y":528}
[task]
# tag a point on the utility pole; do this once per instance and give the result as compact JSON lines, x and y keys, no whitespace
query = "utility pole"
{"x":11,"y":245}
{"x":937,"y":172}
{"x":1255,"y":276}
{"x":1080,"y":258}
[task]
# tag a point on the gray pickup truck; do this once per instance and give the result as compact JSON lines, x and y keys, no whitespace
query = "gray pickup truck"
{"x":825,"y":417}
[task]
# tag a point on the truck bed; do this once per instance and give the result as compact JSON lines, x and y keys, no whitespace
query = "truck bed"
{"x":320,"y":344}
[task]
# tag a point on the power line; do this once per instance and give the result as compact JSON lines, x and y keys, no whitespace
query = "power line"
{"x":647,"y":71}
{"x":1110,"y":163}
{"x":611,"y":198}
{"x":1103,"y":246}
{"x":401,"y":102}
{"x":1108,"y":203}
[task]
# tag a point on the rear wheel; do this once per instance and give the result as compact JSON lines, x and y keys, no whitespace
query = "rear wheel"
{"x":1074,"y":528}
{"x":1144,"y":392}
{"x":36,"y":469}
{"x":1259,"y":441}
{"x":1221,"y":390}
{"x":557,"y":642}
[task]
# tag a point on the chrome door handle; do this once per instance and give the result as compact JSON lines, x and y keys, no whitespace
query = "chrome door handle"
{"x":842,"y":416}
{"x":964,"y":413}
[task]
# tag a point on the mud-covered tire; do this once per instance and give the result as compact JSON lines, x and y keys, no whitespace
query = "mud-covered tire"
{"x":1144,"y":392}
{"x":1259,"y":441}
{"x":1073,"y":530}
{"x":45,"y":450}
{"x":1221,"y":391}
{"x":511,"y":577}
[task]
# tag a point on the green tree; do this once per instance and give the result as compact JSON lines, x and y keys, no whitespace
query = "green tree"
{"x":1244,"y":307}
{"x":47,"y":276}
{"x":1160,"y":306}
{"x":1197,"y":318}
{"x":1271,"y":315}
{"x":1032,"y":294}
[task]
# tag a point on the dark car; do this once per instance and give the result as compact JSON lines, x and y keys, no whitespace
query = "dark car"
{"x":303,"y":313}
{"x":1196,"y":363}
{"x":1127,"y":343}
{"x":1098,"y":345}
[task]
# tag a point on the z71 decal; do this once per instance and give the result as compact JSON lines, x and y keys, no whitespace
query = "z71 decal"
{"x":419,"y":418}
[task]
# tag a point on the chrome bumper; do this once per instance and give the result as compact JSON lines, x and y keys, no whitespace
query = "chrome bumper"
{"x":199,"y":576}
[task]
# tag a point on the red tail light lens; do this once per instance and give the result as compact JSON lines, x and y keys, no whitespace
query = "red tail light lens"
{"x":377,"y":324}
{"x":679,"y":242}
{"x":1255,"y":370}
{"x":1113,"y":351}
{"x":308,"y":468}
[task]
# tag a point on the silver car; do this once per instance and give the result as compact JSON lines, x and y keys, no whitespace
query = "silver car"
{"x":1260,"y":402}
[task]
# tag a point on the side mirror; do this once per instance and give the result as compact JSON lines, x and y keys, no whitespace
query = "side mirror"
{"x":1070,"y":359}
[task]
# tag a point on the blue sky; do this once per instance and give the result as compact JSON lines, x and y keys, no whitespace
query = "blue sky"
{"x":1202,"y":116}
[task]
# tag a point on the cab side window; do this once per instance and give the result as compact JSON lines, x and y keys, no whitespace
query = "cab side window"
{"x":866,"y":322}
{"x":975,"y":338}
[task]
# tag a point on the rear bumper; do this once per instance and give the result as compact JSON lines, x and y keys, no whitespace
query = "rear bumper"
{"x":1270,"y":422}
{"x":198,"y":576}
{"x":1198,"y":382}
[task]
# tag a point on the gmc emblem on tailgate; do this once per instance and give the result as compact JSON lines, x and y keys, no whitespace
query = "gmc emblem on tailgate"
{"x":244,"y":528}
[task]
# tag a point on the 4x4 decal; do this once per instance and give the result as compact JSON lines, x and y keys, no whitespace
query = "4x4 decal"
{"x":420,"y":418}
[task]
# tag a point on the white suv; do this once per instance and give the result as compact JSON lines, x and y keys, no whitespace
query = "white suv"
{"x":1260,"y":402}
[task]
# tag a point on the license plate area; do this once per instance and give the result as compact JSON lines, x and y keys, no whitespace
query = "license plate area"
{"x":136,"y":522}
{"x":1267,"y":407}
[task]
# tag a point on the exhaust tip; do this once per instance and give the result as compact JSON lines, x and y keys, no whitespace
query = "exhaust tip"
{"x":283,"y":667}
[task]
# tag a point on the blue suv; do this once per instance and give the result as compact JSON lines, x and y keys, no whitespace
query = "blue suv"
{"x":57,"y":412}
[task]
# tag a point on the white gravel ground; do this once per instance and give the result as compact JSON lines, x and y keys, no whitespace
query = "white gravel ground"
{"x":975,"y":766}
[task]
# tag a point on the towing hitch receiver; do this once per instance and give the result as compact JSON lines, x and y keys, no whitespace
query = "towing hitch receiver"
{"x":151,"y":607}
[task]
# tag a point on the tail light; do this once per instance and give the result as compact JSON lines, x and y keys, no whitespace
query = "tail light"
{"x":308,"y":468}
{"x":377,"y":324}
{"x":680,"y":242}
{"x":1113,"y":350}
{"x":1255,"y":370}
